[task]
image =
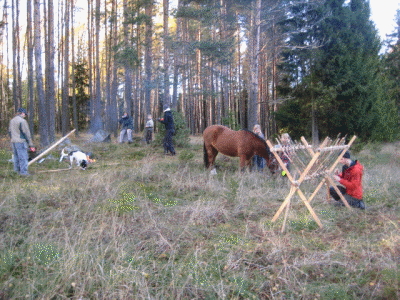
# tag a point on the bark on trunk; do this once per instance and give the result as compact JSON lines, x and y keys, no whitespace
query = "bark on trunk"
{"x":43,"y":118}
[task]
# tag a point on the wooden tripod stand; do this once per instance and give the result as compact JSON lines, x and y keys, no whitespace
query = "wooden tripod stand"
{"x":318,"y":166}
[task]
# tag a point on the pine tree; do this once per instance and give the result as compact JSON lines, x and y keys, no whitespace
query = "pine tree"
{"x":340,"y":79}
{"x":392,"y":64}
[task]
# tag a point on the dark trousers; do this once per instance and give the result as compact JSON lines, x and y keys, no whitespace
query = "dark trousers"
{"x":168,"y":146}
{"x":351,"y":200}
{"x":149,"y":135}
{"x":258,"y":162}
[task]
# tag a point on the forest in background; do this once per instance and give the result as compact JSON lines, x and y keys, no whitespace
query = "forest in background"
{"x":307,"y":67}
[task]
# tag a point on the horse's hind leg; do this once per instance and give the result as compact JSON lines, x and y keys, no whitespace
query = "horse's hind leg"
{"x":212,"y":154}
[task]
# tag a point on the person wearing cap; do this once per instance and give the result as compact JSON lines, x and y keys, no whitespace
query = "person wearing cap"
{"x":168,"y":122}
{"x":127,"y":127}
{"x":20,"y":140}
{"x":350,"y":178}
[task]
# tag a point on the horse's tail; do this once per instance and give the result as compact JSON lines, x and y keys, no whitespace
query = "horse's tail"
{"x":206,"y":162}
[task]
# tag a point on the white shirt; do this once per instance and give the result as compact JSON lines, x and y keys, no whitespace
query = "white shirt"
{"x":150,"y":123}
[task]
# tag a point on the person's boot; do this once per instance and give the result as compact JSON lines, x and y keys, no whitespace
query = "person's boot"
{"x":361,"y":204}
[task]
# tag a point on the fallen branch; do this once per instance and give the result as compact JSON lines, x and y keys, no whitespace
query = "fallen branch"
{"x":51,"y":171}
{"x":50,"y":148}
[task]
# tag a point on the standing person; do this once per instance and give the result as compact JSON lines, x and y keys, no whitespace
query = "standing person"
{"x":285,"y":139}
{"x":168,"y":122}
{"x":258,"y":160}
{"x":20,"y":139}
{"x":126,"y":128}
{"x":350,"y":177}
{"x":149,"y":129}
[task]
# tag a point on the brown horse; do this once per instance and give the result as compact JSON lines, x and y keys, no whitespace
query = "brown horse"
{"x":242,"y":143}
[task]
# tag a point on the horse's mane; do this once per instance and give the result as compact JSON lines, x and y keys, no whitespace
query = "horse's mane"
{"x":257,"y":136}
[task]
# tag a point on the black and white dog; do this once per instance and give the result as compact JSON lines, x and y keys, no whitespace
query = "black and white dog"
{"x":79,"y":157}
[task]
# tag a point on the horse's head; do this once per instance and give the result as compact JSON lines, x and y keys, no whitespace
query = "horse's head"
{"x":272,"y":163}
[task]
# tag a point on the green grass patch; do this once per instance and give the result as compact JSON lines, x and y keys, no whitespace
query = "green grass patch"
{"x":164,"y":228}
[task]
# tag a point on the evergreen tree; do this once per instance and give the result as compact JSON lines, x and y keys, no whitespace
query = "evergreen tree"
{"x":82,"y":98}
{"x":340,"y":78}
{"x":392,"y":64}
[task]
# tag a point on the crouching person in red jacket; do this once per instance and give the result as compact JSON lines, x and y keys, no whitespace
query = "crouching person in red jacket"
{"x":350,"y":178}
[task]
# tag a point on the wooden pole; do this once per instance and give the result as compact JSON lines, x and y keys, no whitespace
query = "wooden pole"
{"x":341,"y":155}
{"x":50,"y":148}
{"x":325,"y":146}
{"x":316,"y":190}
{"x":338,"y":192}
{"x":52,"y":171}
{"x":328,"y":194}
{"x":286,"y":214}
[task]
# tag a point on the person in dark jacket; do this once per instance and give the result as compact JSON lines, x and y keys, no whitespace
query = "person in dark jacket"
{"x":20,"y":140}
{"x":126,"y":128}
{"x":168,"y":122}
{"x":350,"y":178}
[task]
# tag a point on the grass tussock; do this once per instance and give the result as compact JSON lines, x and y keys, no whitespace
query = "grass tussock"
{"x":140,"y":225}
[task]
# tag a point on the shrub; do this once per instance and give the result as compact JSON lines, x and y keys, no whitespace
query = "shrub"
{"x":135,"y":155}
{"x":186,"y":155}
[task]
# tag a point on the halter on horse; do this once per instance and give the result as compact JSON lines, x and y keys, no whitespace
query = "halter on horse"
{"x":242,"y":143}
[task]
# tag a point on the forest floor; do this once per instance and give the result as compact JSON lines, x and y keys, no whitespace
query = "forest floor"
{"x":140,"y":225}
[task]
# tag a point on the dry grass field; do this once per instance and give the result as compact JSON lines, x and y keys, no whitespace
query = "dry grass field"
{"x":140,"y":225}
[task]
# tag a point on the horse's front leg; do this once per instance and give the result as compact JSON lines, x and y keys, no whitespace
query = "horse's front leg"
{"x":244,"y":162}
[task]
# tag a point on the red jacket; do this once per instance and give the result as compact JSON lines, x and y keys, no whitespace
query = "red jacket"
{"x":351,"y":179}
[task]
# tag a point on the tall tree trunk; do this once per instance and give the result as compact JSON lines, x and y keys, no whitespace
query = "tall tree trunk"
{"x":43,"y":118}
{"x":60,"y":61}
{"x":90,"y":56}
{"x":108,"y":36}
{"x":128,"y":66}
{"x":50,"y":77}
{"x":241,"y":115}
{"x":314,"y":120}
{"x":74,"y":108}
{"x":167,"y":97}
{"x":198,"y":87}
{"x":191,"y":99}
{"x":219,"y":117}
{"x":15,"y":37}
{"x":255,"y":39}
{"x":18,"y":42}
{"x":274,"y":78}
{"x":46,"y":57}
{"x":9,"y":100}
{"x":114,"y":91}
{"x":213,"y":119}
{"x":138,"y":97}
{"x":223,"y":68}
{"x":97,"y":122}
{"x":31,"y":94}
{"x":177,"y":61}
{"x":65,"y":94}
{"x":148,"y":58}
